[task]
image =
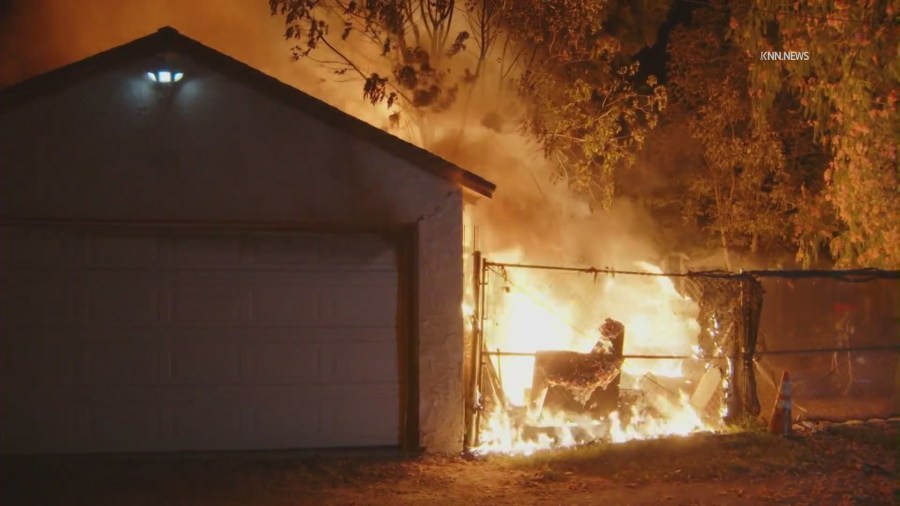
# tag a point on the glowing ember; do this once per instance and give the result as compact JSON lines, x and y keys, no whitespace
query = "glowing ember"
{"x":533,"y":310}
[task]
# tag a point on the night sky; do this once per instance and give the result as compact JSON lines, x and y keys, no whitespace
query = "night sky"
{"x":32,"y":40}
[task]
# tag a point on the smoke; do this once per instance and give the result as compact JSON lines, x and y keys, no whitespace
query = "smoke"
{"x":531,"y":212}
{"x":534,"y":217}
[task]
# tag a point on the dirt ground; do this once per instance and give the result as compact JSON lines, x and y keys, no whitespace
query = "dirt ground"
{"x":834,"y":464}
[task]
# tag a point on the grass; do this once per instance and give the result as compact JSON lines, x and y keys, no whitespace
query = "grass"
{"x":822,"y":466}
{"x":866,"y":435}
{"x":699,"y":456}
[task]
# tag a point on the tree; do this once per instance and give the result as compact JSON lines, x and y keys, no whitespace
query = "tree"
{"x":587,"y":109}
{"x":584,"y":103}
{"x":407,"y":43}
{"x":848,"y":89}
{"x":738,"y":188}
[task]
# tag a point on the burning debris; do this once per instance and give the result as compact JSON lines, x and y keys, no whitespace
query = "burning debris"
{"x":578,"y":376}
{"x":578,"y":389}
{"x":578,"y":373}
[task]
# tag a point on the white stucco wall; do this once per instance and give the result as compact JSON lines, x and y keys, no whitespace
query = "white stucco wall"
{"x":441,"y":399}
{"x":112,"y":147}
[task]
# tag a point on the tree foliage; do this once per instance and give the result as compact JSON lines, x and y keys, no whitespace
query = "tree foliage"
{"x":584,"y":102}
{"x":415,"y":40}
{"x":801,"y":153}
{"x":587,"y":110}
{"x":848,"y":89}
{"x":738,"y":187}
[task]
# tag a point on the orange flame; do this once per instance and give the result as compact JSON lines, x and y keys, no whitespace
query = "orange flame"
{"x":539,"y":311}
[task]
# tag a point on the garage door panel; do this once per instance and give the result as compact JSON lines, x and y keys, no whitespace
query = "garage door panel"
{"x":218,"y":305}
{"x":321,"y":334}
{"x":37,"y":366}
{"x":30,"y":300}
{"x":367,"y":251}
{"x":87,"y":334}
{"x":360,"y":278}
{"x":122,"y":249}
{"x":311,"y":334}
{"x":205,"y":363}
{"x":162,"y":394}
{"x":35,"y":429}
{"x":365,"y":305}
{"x":318,"y":279}
{"x":127,"y":426}
{"x":124,"y":364}
{"x":280,"y":276}
{"x":40,"y":336}
{"x":378,"y":413}
{"x":205,"y":424}
{"x":290,"y":422}
{"x":360,"y":363}
{"x":138,"y":305}
{"x":339,"y":335}
{"x":205,"y":250}
{"x":178,"y":339}
{"x":379,"y":425}
{"x":24,"y":248}
{"x":355,"y":393}
{"x":189,"y":334}
{"x":285,"y":362}
{"x":282,"y":249}
{"x":285,"y":305}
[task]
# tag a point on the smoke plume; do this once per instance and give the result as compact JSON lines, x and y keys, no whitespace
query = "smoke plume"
{"x":531,"y":212}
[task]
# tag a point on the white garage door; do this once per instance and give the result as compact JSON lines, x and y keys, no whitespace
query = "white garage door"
{"x":152,"y":339}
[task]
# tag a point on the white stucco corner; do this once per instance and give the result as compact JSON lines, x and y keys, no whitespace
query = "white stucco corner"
{"x":441,"y":393}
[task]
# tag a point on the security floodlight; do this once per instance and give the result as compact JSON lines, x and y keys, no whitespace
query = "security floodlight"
{"x":165,"y":76}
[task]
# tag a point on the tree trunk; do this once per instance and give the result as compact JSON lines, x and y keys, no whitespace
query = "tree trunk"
{"x":720,"y":219}
{"x":725,"y":249}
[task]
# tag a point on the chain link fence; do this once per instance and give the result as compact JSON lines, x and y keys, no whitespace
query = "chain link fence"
{"x":838,"y":335}
{"x":836,"y":332}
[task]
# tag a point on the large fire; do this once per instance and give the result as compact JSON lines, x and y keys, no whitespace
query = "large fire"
{"x":532,"y":310}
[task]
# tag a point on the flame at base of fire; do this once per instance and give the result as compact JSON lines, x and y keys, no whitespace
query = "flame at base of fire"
{"x":531,"y":310}
{"x":645,"y":419}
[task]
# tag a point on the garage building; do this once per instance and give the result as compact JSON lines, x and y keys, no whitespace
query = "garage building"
{"x":210,"y":259}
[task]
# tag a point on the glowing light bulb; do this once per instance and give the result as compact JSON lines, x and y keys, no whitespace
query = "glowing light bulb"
{"x":165,"y":76}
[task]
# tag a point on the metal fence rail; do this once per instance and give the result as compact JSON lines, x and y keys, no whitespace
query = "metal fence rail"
{"x":839,"y":337}
{"x":749,"y":326}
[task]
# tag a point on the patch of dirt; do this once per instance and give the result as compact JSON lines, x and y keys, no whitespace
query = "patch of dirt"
{"x":837,"y":464}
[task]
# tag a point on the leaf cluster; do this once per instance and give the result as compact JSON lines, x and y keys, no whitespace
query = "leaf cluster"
{"x":410,"y":41}
{"x":848,"y":91}
{"x":590,"y":110}
{"x":738,"y":189}
{"x":585,"y":103}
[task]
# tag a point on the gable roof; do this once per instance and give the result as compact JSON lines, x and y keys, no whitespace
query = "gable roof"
{"x":169,"y":40}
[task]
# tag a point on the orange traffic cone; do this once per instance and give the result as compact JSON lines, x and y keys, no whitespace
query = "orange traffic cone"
{"x":780,"y":421}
